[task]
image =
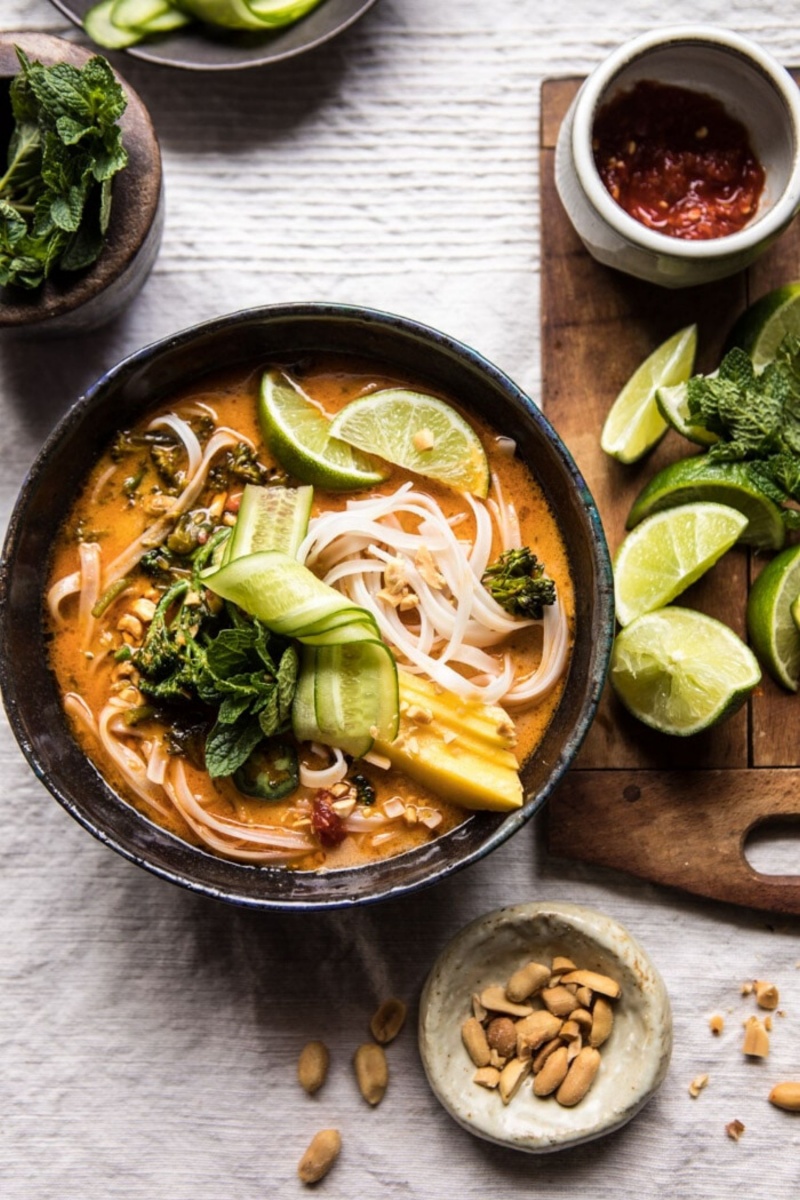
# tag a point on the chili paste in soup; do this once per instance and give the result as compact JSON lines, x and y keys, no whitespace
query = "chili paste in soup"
{"x":167,"y":685}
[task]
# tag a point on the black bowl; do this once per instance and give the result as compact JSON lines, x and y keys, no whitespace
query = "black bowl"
{"x":199,"y":48}
{"x":257,"y":336}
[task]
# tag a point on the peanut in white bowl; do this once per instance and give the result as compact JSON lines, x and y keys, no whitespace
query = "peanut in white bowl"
{"x":634,"y":1060}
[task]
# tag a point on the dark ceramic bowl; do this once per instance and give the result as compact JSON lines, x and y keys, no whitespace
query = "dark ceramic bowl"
{"x":118,"y":399}
{"x":77,"y":302}
{"x":201,"y":48}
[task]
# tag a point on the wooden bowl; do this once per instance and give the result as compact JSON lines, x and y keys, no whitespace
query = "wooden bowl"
{"x":76,"y":302}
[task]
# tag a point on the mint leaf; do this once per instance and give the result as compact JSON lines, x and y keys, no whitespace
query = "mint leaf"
{"x":64,"y":150}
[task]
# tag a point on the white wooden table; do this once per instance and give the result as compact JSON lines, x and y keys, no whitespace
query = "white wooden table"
{"x":149,"y":1037}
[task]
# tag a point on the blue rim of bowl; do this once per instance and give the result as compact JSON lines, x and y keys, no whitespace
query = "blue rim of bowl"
{"x":244,"y":50}
{"x":602,"y":615}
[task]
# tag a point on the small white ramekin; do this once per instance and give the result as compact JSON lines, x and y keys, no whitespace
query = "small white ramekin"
{"x":752,"y":86}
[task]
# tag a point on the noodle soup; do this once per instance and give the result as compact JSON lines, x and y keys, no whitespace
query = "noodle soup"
{"x":138,"y":634}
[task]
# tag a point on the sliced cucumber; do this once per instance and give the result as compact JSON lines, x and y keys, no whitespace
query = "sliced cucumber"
{"x":271,"y":518}
{"x":283,"y":594}
{"x":355,"y":693}
{"x":100,"y":27}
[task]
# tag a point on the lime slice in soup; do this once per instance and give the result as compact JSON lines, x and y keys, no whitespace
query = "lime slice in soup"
{"x":418,"y":432}
{"x":299,"y":434}
{"x":680,"y":671}
{"x":668,"y":551}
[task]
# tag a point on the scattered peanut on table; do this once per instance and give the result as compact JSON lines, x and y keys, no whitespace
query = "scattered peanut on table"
{"x":320,"y":1156}
{"x":547,"y":1022}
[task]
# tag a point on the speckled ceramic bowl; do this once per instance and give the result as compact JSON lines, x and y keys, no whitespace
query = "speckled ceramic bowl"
{"x":256,"y":337}
{"x":634,"y":1059}
{"x":752,"y":87}
{"x":77,"y":302}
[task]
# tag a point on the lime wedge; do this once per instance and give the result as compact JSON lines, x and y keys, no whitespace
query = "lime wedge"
{"x":680,"y":671}
{"x":763,"y":326}
{"x":298,"y":433}
{"x":668,"y":551}
{"x":692,"y":479}
{"x":634,"y":425}
{"x":418,"y":432}
{"x":770,"y":620}
{"x":673,"y":404}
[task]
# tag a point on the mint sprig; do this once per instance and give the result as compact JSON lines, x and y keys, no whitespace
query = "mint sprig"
{"x":65,"y":149}
{"x":756,"y":416}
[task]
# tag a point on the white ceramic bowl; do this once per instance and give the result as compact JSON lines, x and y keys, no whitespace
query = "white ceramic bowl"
{"x":634,"y":1059}
{"x":752,"y":87}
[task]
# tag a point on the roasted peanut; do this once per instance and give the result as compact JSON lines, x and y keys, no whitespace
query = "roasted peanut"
{"x":580,"y":1077}
{"x":501,"y":1034}
{"x":716,"y":1024}
{"x":320,"y":1155}
{"x":552,"y":1074}
{"x":734,"y":1130}
{"x":527,"y":980}
{"x":756,"y":1039}
{"x":473,"y":1035}
{"x":312,"y":1066}
{"x":786,"y":1095}
{"x":511,"y":1078}
{"x":591,"y":979}
{"x":495,"y":1000}
{"x":602,"y":1022}
{"x":532,"y":1031}
{"x":559,"y":1000}
{"x":372,"y":1072}
{"x":542,"y":1055}
{"x":697,"y":1085}
{"x":487,"y":1077}
{"x":561,"y":964}
{"x":387,"y":1022}
{"x":766,"y":995}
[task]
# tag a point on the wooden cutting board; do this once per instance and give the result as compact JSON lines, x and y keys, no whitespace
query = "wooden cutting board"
{"x":673,"y":810}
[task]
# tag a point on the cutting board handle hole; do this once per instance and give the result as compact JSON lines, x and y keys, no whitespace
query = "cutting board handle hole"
{"x":773,"y":847}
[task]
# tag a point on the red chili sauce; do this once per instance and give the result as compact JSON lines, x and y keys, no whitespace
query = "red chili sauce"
{"x":677,"y":161}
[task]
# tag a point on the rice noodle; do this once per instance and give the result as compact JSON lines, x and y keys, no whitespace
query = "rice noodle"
{"x":64,"y":587}
{"x":445,"y":620}
{"x":325,"y":777}
{"x":112,"y":733}
{"x":185,"y":434}
{"x":89,"y":553}
{"x":76,"y":707}
{"x":234,"y":839}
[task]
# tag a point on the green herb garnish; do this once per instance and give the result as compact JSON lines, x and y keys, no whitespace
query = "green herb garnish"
{"x":757,"y":419}
{"x":66,"y":147}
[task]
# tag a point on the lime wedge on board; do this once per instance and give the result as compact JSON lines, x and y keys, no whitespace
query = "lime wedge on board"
{"x":692,"y":479}
{"x":680,"y":671}
{"x":763,"y":326}
{"x":770,"y":621}
{"x":668,"y":551}
{"x":634,"y":425}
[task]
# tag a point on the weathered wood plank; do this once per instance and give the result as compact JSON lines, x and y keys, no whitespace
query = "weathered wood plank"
{"x":686,"y":829}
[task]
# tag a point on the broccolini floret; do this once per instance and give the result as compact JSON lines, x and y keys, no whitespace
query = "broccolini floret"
{"x":518,"y":583}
